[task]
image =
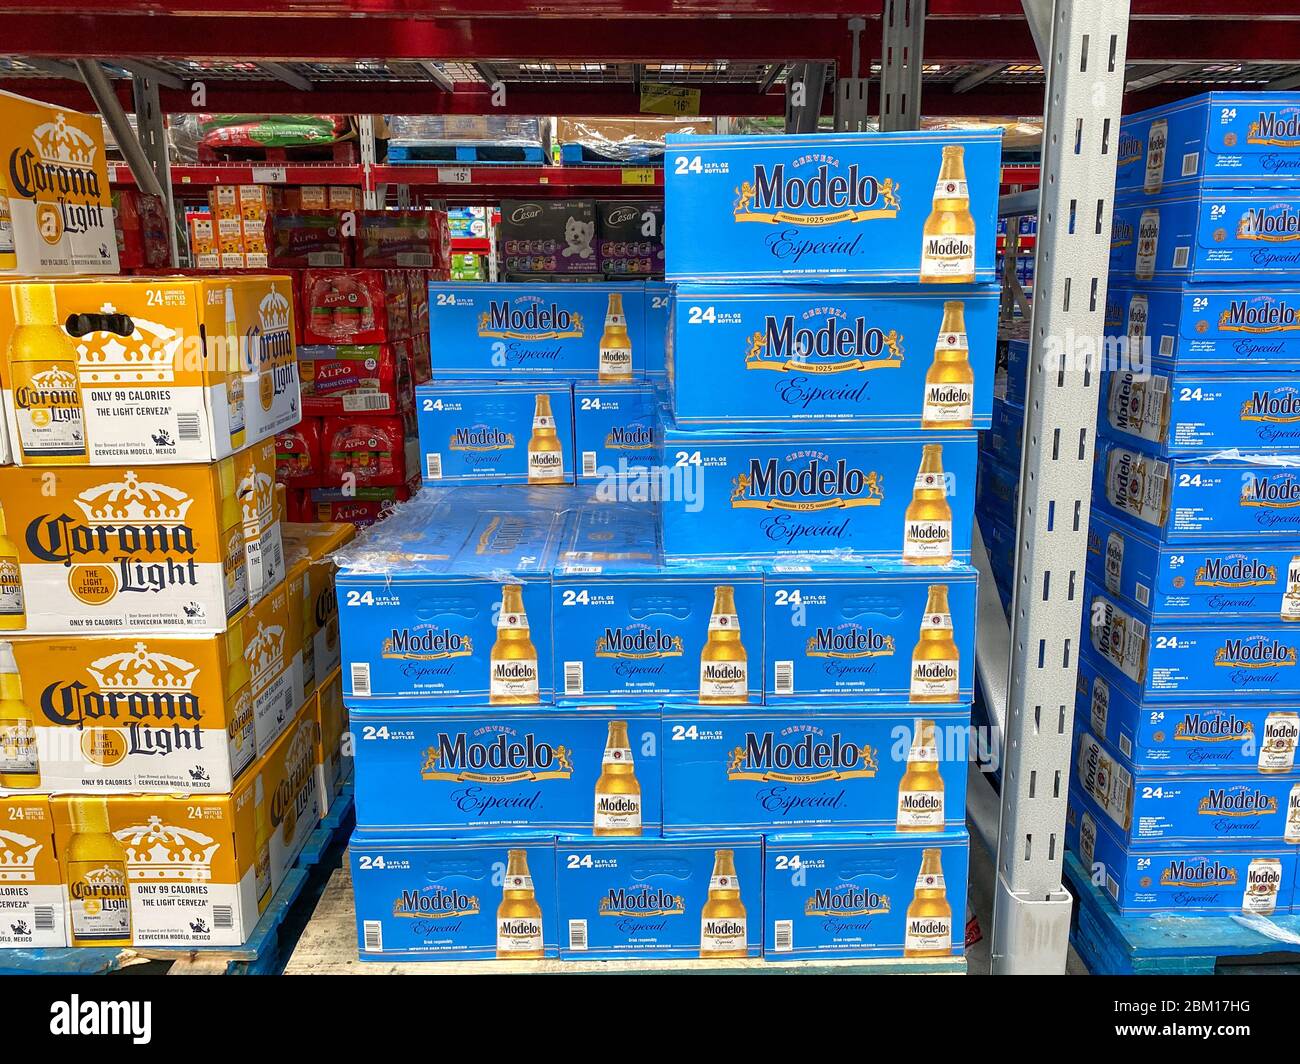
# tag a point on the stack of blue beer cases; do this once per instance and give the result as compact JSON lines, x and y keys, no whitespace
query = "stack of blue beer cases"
{"x":802,"y":429}
{"x":1184,"y":794}
{"x":997,"y":485}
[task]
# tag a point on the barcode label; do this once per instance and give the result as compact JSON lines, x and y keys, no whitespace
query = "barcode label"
{"x":1166,"y":346}
{"x":783,"y":933}
{"x":578,"y":934}
{"x":1162,"y":470}
{"x":1160,"y":384}
{"x":223,"y":917}
{"x":325,"y":258}
{"x":433,"y":466}
{"x":1143,"y":594}
{"x":188,"y":426}
{"x":361,"y":678}
{"x":373,"y":933}
{"x":363,"y":401}
{"x":1125,"y":746}
{"x":1181,"y":255}
{"x":414,"y":258}
{"x":288,"y":703}
{"x":1112,"y":887}
{"x":1191,"y":162}
{"x":573,"y":677}
{"x":1139,"y":630}
{"x":44,"y":917}
{"x":588,"y":463}
{"x":784,"y":680}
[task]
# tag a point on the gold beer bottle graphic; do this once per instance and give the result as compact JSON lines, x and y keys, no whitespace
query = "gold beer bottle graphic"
{"x":13,"y":607}
{"x":950,"y":380}
{"x":927,"y":523}
{"x":948,"y":239}
{"x":920,"y":792}
{"x":234,"y":558}
{"x":95,"y":873}
{"x":618,"y":794}
{"x":615,"y":344}
{"x":722,"y":921}
{"x":724,"y":672}
{"x":239,"y":699}
{"x":234,"y":369}
{"x":513,"y":661}
{"x":20,"y":767}
{"x":519,"y":917}
{"x":545,"y":455}
{"x":929,"y":918}
{"x":51,"y":426}
{"x":8,"y":249}
{"x":935,"y":659}
{"x":262,"y":839}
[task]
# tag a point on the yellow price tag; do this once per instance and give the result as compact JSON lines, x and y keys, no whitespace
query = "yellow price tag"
{"x":657,"y":99}
{"x":639,"y":176}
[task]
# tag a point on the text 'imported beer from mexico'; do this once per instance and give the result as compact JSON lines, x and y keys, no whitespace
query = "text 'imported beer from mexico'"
{"x":903,"y":207}
{"x":757,"y":495}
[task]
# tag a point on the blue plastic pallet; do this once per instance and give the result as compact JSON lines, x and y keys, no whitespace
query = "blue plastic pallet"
{"x":624,"y":155}
{"x":1111,"y":944}
{"x":460,"y":151}
{"x":262,"y":954}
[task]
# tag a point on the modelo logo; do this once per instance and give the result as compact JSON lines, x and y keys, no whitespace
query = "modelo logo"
{"x":1254,"y":652}
{"x":1121,"y":233}
{"x":642,"y":901}
{"x":1279,"y":491}
{"x":1272,"y":406}
{"x":842,"y":345}
{"x":850,"y":643}
{"x":1265,"y":315}
{"x":846,"y":901}
{"x":850,"y":197}
{"x":431,"y":644}
{"x":638,"y":643}
{"x":1202,"y":873}
{"x":630,"y":437}
{"x":1114,"y":313}
{"x":436,"y":904}
{"x":538,"y":321}
{"x":1197,"y":729}
{"x":1237,"y":801}
{"x":481,"y":439}
{"x":1235,"y":572}
{"x":1275,"y":129}
{"x":817,"y":486}
{"x":1130,"y":149}
{"x":505,"y":759}
{"x":808,"y":760}
{"x":1258,"y":224}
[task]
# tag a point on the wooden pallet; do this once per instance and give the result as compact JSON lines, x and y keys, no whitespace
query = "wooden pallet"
{"x":340,"y":151}
{"x":1111,"y":944}
{"x":622,"y":155}
{"x":263,"y":954}
{"x":328,"y":946}
{"x":463,"y":151}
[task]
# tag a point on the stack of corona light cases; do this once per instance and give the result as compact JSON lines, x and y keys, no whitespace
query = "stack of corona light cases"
{"x":157,"y":739}
{"x":1185,"y":794}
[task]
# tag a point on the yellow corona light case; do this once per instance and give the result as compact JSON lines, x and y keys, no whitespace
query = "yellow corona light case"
{"x":186,"y":869}
{"x":31,"y":898}
{"x":333,"y":763}
{"x":148,"y":370}
{"x":320,"y":625}
{"x":255,"y":474}
{"x":268,"y":650}
{"x":127,"y":549}
{"x":121,"y":713}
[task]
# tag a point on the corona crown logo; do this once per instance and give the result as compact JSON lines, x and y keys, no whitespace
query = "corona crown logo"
{"x":158,"y":852}
{"x":147,"y":356}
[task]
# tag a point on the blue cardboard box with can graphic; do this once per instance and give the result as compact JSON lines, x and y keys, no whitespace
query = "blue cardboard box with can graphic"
{"x":1013,"y":370}
{"x":997,"y":491}
{"x":507,"y":432}
{"x":1201,"y":584}
{"x":1190,"y":500}
{"x":1234,"y":737}
{"x":839,"y":492}
{"x":615,"y":429}
{"x":1143,"y":878}
{"x":1004,"y":439}
{"x":1236,"y":811}
{"x":1162,"y":661}
{"x":903,"y":207}
{"x":427,"y":899}
{"x":1218,"y":328}
{"x":1207,"y":235}
{"x":470,"y":770}
{"x":1214,"y":140}
{"x":534,"y":330}
{"x":700,"y":896}
{"x":658,"y":313}
{"x":599,"y":533}
{"x":864,"y":766}
{"x":856,"y":895}
{"x":867,"y":631}
{"x":450,"y":600}
{"x":641,"y":631}
{"x":781,"y":356}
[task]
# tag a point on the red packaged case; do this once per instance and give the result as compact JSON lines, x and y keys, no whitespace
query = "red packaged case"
{"x":345,"y":306}
{"x":141,"y":223}
{"x":362,"y":508}
{"x":371,"y":450}
{"x":309,"y":239}
{"x":298,"y":460}
{"x":350,"y":378}
{"x":410,"y":239}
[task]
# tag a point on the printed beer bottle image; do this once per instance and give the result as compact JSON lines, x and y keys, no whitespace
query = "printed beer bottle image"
{"x":8,"y":249}
{"x":234,"y":370}
{"x":950,"y":380}
{"x":935,"y":659}
{"x":618,"y":794}
{"x":1157,"y":144}
{"x":920,"y":792}
{"x":722,"y":923}
{"x":1291,"y":594}
{"x":1277,"y":750}
{"x":519,"y":917}
{"x":95,"y":872}
{"x":262,"y":840}
{"x":615,"y":344}
{"x":1263,"y":878}
{"x":545,"y":456}
{"x":46,"y":387}
{"x":514,"y":658}
{"x":19,"y":766}
{"x":13,"y":607}
{"x":1291,"y":833}
{"x":927,"y":523}
{"x":929,"y":917}
{"x":724,"y":674}
{"x":948,"y":239}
